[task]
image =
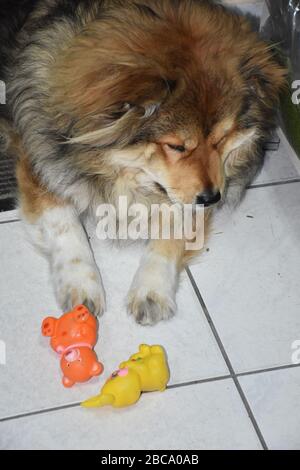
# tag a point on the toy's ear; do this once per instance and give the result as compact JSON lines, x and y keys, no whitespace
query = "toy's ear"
{"x":81,"y":314}
{"x":144,"y":349}
{"x":97,"y":368}
{"x":67,"y":382}
{"x":157,"y":350}
{"x":48,"y":326}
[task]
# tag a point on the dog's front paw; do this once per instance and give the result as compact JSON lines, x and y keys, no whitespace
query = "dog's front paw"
{"x":150,"y":308}
{"x":79,"y":283}
{"x":152,"y":294}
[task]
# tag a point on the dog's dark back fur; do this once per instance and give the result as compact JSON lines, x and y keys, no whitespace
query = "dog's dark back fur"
{"x":100,"y":85}
{"x":13,"y":15}
{"x":160,"y":101}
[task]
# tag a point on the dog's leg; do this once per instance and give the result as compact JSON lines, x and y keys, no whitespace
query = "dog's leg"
{"x":56,"y":229}
{"x":152,"y":295}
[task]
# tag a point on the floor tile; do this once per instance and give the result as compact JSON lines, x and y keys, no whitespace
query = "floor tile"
{"x":250,"y":277}
{"x":205,"y":416}
{"x":255,"y":7}
{"x":290,"y":151}
{"x":30,"y":380}
{"x":278,"y":166}
{"x":274,"y":398}
{"x":9,"y":216}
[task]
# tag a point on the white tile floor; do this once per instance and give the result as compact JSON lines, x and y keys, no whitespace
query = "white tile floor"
{"x":230,"y":346}
{"x":255,"y":7}
{"x":232,"y":384}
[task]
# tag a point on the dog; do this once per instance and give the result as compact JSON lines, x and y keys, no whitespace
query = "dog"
{"x":163,"y":101}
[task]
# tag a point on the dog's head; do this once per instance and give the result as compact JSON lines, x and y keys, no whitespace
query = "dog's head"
{"x":177,"y":89}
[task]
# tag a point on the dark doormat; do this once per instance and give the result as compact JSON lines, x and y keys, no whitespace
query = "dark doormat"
{"x":8,"y":184}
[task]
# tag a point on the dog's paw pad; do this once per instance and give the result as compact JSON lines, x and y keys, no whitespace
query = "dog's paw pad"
{"x":80,"y":287}
{"x":72,"y":296}
{"x":150,"y":309}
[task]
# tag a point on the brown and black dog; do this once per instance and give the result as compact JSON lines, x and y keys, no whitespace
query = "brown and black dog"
{"x":159,"y":100}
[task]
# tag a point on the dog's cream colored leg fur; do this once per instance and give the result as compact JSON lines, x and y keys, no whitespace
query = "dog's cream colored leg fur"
{"x":76,"y":278}
{"x":153,"y":291}
{"x":56,"y":230}
{"x":152,"y":296}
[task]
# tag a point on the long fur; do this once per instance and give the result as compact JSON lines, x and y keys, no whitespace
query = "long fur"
{"x":103,"y":93}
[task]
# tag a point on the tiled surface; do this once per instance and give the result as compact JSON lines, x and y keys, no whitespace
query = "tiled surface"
{"x":26,"y":298}
{"x":279,"y":166}
{"x":274,"y":398}
{"x":293,"y":156}
{"x":255,"y":8}
{"x":207,"y":416}
{"x":249,"y":281}
{"x":9,"y":216}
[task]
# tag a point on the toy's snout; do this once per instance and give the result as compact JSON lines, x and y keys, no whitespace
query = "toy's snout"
{"x":72,"y":355}
{"x":48,"y":326}
{"x":80,"y":365}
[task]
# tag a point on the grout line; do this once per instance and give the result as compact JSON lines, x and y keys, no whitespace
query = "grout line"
{"x":77,"y":404}
{"x":39,"y":412}
{"x":200,"y":381}
{"x":275,"y":183}
{"x":169,"y":387}
{"x":266,"y":370}
{"x":9,"y":215}
{"x":2,"y":222}
{"x":211,"y":323}
{"x":227,"y":361}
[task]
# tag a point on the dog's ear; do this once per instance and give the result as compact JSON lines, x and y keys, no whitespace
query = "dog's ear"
{"x":265,"y":74}
{"x":118,"y":125}
{"x":113,"y":110}
{"x":108,"y":82}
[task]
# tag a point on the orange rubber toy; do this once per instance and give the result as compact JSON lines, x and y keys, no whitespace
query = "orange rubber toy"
{"x":73,"y":337}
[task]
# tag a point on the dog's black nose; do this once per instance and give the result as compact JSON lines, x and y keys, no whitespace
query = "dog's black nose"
{"x":208,"y":197}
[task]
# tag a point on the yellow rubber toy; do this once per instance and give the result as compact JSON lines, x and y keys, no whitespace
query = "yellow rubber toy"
{"x":145,"y":371}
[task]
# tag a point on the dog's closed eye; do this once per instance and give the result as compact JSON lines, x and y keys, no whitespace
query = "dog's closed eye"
{"x":177,"y":148}
{"x":221,"y":141}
